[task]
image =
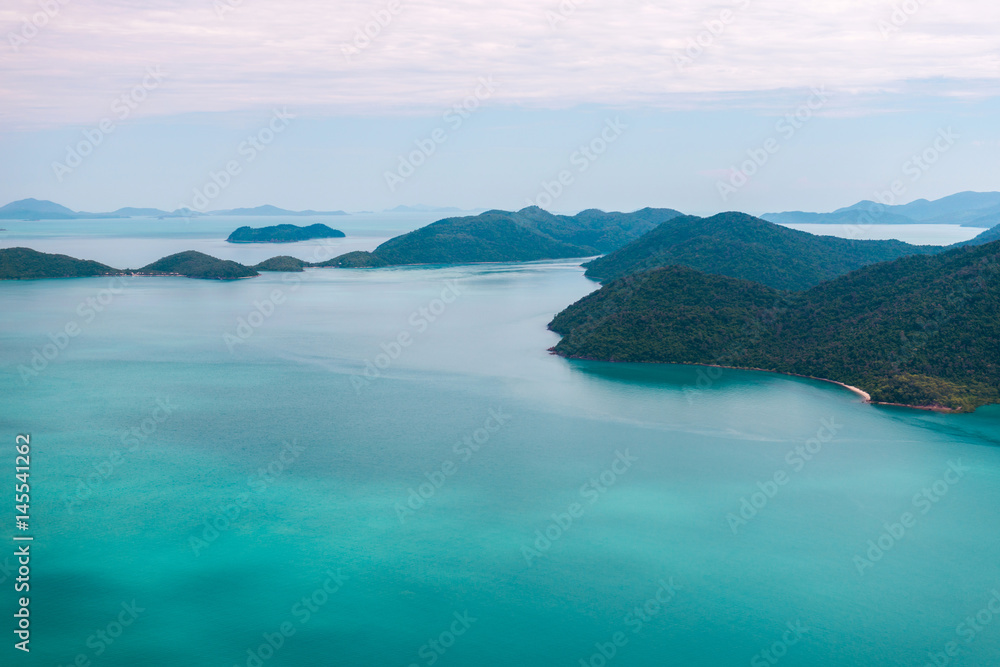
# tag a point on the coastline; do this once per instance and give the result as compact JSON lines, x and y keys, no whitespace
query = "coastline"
{"x":865,"y":396}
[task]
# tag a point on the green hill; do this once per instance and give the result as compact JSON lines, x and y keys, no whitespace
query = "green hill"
{"x":284,"y":234}
{"x":920,"y":330}
{"x":359,"y":259}
{"x":193,"y":264}
{"x":988,"y":236}
{"x":742,"y":246}
{"x":282,"y":263}
{"x":27,"y":264}
{"x":502,"y":236}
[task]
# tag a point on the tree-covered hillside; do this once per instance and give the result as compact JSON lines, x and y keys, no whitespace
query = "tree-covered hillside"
{"x":27,"y":264}
{"x":921,"y":330}
{"x":502,"y":236}
{"x":742,"y":246}
{"x":193,"y":264}
{"x":283,"y":234}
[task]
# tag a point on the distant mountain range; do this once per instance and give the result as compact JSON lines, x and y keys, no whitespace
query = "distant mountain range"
{"x":969,"y":209}
{"x":40,"y":209}
{"x":267,"y":210}
{"x":420,"y":208}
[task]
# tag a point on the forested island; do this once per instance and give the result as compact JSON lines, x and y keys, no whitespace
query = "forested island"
{"x":505,"y":236}
{"x":910,"y":325}
{"x":284,"y":234}
{"x":27,"y":264}
{"x":193,"y":264}
{"x":919,"y":331}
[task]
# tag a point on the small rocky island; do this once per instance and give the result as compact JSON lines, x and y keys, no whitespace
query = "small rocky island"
{"x":284,"y":234}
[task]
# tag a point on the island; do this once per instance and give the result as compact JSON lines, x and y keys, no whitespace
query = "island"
{"x":28,"y":264}
{"x":919,"y":331}
{"x":283,"y":263}
{"x":284,"y":234}
{"x":505,"y":236}
{"x":193,"y":264}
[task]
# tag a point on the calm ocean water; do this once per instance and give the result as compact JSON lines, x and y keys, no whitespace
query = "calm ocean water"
{"x":387,"y":468}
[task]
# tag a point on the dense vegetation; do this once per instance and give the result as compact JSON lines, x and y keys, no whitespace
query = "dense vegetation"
{"x":920,"y":330}
{"x":193,"y":264}
{"x":742,"y":246}
{"x":282,"y":263}
{"x":502,"y":236}
{"x":359,"y":259}
{"x":26,"y":264}
{"x":284,"y":234}
{"x":988,"y":236}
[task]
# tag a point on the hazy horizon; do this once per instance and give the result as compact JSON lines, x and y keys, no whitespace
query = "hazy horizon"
{"x":482,"y":106}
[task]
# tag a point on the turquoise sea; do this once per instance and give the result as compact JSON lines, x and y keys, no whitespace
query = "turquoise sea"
{"x":387,"y":467}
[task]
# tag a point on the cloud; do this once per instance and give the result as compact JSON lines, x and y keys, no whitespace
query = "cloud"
{"x":236,"y":55}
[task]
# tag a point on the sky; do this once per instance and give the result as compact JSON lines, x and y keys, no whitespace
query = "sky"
{"x":753,"y":105}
